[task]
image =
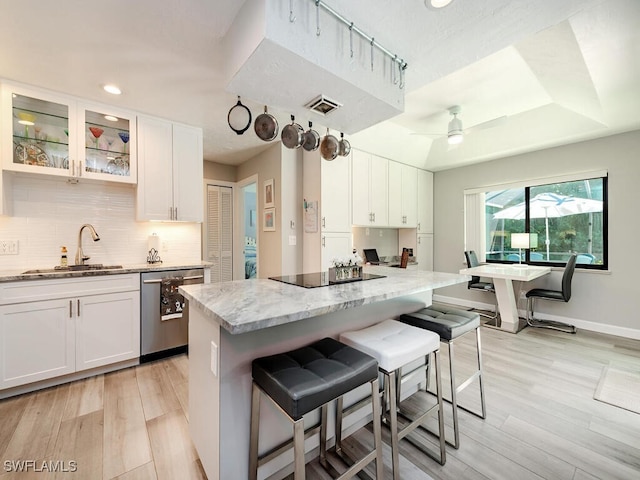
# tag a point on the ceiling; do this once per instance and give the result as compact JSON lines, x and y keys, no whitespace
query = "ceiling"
{"x":559,"y":72}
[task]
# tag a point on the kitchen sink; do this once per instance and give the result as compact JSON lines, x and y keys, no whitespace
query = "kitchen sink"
{"x":73,"y":268}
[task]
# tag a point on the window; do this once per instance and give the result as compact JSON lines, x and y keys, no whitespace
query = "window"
{"x":564,"y":217}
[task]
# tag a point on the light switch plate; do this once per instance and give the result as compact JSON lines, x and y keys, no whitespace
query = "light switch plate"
{"x":214,"y":359}
{"x":8,"y":247}
{"x":292,"y":239}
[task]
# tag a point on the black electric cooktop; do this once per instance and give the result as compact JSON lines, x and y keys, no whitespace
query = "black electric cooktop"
{"x":317,"y":279}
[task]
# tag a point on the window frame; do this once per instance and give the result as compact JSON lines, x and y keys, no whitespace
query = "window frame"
{"x":474,"y":234}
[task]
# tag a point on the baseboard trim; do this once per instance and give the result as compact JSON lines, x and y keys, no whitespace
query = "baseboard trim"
{"x":618,"y":331}
{"x":52,"y":382}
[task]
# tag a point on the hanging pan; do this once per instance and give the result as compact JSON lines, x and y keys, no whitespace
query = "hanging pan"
{"x":266,"y":126}
{"x":344,"y":147}
{"x":329,"y":147}
{"x":239,"y":118}
{"x":292,"y":134}
{"x":311,"y":140}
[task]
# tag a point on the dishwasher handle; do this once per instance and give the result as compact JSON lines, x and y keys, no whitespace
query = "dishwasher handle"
{"x":160,"y":280}
{"x":194,"y":277}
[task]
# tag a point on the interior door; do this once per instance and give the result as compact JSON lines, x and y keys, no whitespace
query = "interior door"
{"x":250,"y":230}
{"x":219,"y":232}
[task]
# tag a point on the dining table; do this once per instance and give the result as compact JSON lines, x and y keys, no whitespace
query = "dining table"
{"x":503,"y":276}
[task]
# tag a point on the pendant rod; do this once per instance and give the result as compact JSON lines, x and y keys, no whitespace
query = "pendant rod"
{"x":394,"y":58}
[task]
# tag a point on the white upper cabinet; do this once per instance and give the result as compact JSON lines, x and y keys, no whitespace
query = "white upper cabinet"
{"x":369,"y":189}
{"x":425,"y":201}
{"x":403,"y":186}
{"x":53,"y":134}
{"x":336,"y":194}
{"x":171,"y":171}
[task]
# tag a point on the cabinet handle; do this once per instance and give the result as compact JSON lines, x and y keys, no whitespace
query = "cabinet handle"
{"x":418,"y":225}
{"x":176,"y":215}
{"x":79,"y":168}
{"x":323,"y":243}
{"x":374,"y":217}
{"x":419,"y":241}
{"x":170,"y":213}
{"x":70,"y":309}
{"x":323,"y":222}
{"x":78,"y":307}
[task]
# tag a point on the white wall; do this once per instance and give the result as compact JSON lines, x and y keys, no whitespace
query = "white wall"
{"x":48,"y":213}
{"x":601,"y":301}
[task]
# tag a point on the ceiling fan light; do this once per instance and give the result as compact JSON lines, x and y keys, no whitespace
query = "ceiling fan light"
{"x":438,"y":3}
{"x":455,"y":138}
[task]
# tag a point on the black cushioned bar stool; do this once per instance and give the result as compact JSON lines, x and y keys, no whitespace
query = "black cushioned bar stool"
{"x":451,"y":323}
{"x":302,"y":380}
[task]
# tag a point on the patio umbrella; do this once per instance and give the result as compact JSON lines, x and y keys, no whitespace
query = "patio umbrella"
{"x":551,"y":205}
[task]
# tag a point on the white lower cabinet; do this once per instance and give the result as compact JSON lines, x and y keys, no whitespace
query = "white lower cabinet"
{"x":107,"y":329}
{"x":37,"y":342}
{"x":51,"y":337}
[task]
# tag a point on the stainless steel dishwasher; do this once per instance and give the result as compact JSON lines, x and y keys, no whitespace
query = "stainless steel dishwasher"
{"x":164,"y":313}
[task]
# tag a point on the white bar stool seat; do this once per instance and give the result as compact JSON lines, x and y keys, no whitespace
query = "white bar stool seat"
{"x":395,"y":344}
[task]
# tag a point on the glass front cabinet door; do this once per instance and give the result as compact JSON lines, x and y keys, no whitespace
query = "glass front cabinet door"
{"x":59,"y":135}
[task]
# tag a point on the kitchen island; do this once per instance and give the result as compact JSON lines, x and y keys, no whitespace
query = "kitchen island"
{"x":232,"y":323}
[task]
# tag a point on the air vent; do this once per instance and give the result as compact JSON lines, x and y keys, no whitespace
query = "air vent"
{"x":323,"y":105}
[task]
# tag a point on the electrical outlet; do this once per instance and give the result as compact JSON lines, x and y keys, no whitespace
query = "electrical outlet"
{"x":523,"y":294}
{"x":8,"y":247}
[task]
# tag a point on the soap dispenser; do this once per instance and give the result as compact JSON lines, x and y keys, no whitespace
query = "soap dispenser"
{"x":63,"y":256}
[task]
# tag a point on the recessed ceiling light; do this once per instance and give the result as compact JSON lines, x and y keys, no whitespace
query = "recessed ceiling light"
{"x":112,"y":89}
{"x":437,"y":3}
{"x":111,"y":118}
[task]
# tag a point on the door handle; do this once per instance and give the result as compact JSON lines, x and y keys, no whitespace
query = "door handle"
{"x":323,"y":243}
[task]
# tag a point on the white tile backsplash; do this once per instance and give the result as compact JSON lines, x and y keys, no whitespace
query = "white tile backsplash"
{"x":48,"y":213}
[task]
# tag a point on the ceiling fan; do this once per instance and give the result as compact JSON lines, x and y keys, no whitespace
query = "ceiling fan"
{"x":455,"y":133}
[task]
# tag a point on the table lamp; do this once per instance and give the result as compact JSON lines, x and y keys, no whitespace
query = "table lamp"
{"x":520,"y":241}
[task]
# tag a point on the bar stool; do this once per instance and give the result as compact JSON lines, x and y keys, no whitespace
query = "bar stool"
{"x":450,"y":324}
{"x":302,"y":380}
{"x":394,"y":345}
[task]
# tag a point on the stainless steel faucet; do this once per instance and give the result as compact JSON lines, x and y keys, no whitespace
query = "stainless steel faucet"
{"x":80,"y":256}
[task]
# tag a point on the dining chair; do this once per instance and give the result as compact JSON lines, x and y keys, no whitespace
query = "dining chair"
{"x":476,"y":284}
{"x":563,"y":295}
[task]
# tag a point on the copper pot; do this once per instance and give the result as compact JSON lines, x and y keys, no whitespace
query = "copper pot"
{"x":329,"y":147}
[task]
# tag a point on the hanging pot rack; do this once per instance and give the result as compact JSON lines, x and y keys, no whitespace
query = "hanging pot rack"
{"x":402,"y":65}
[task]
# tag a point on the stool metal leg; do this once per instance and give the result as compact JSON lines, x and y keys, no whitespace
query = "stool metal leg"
{"x":443,"y":453}
{"x":480,"y":375}
{"x":377,"y":428}
{"x":454,"y":400}
{"x":255,"y":428}
{"x":393,"y":418}
{"x":298,"y":449}
{"x":323,"y":434}
{"x":339,"y":415}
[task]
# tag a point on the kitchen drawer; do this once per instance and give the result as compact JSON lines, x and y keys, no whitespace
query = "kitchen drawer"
{"x":48,"y":289}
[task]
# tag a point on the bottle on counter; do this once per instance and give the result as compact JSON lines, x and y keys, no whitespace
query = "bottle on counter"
{"x":63,"y":256}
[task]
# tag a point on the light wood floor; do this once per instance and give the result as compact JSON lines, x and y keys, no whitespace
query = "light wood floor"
{"x":542,"y":419}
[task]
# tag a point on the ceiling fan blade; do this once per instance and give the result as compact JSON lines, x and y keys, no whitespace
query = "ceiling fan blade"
{"x":496,"y":122}
{"x":426,"y":134}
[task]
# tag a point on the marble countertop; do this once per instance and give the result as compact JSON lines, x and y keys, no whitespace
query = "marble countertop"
{"x":20,"y":275}
{"x":247,"y":305}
